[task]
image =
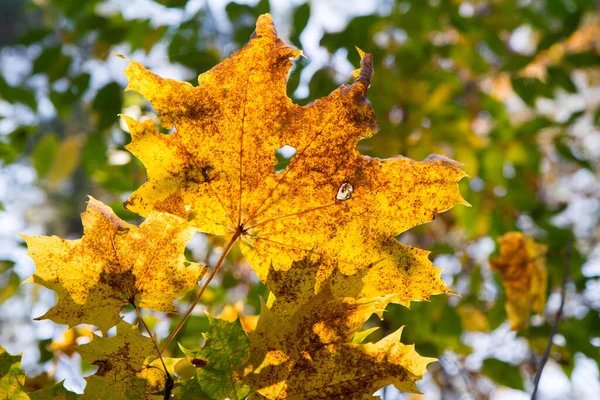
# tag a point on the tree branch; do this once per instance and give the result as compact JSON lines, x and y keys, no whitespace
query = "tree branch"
{"x":235,"y":236}
{"x":557,"y":319}
{"x":169,"y":382}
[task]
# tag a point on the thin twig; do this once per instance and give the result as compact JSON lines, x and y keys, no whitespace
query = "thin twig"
{"x":235,"y":236}
{"x":169,"y":382}
{"x":557,"y":319}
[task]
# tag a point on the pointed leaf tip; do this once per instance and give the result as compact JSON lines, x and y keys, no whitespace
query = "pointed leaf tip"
{"x":361,"y":53}
{"x":265,"y":26}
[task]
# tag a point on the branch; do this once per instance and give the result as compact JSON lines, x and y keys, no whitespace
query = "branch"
{"x":169,"y":382}
{"x":235,"y":236}
{"x":557,"y":319}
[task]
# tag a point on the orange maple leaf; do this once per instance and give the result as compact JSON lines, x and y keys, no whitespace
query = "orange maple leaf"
{"x":522,"y":266}
{"x":217,"y":170}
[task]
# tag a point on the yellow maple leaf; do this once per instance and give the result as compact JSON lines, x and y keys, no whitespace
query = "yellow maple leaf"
{"x":217,"y":170}
{"x":66,"y":345}
{"x":311,"y":354}
{"x":522,"y":266}
{"x":114,"y":264}
{"x":126,"y":367}
{"x":472,"y":318}
{"x":232,"y":312}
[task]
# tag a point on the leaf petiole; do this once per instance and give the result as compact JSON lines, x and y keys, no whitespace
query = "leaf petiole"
{"x":232,"y":241}
{"x":169,"y":382}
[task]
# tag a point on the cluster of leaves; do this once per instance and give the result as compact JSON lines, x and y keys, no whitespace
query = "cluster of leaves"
{"x":329,"y":265}
{"x":448,"y":78}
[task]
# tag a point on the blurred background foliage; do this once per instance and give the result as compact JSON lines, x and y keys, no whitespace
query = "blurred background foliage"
{"x":510,"y":88}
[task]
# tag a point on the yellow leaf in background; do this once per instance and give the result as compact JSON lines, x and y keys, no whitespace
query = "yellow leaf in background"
{"x":216,"y":169}
{"x":231,"y":313}
{"x":522,"y":266}
{"x":440,"y":95}
{"x":114,"y":264}
{"x":68,"y":341}
{"x":66,"y":160}
{"x":586,"y":37}
{"x":473,"y":319}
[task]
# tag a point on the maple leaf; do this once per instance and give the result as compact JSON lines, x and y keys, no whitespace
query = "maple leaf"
{"x":216,"y":169}
{"x":522,"y":267}
{"x":12,"y":379}
{"x":12,"y":382}
{"x":125,"y":366}
{"x":114,"y":264}
{"x":315,"y":352}
{"x":219,"y":363}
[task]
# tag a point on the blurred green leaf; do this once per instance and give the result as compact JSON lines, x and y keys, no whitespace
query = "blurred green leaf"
{"x":173,"y":3}
{"x":300,"y":20}
{"x":17,"y":94}
{"x":34,"y":35}
{"x":43,"y":154}
{"x":108,"y":104}
{"x":503,"y":373}
{"x":52,"y":62}
{"x":56,"y":392}
{"x":582,"y":60}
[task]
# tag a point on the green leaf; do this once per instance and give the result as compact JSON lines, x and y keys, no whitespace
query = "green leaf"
{"x":529,"y":89}
{"x":53,"y":63}
{"x":579,"y":332}
{"x":173,"y":3}
{"x":565,"y":151}
{"x":226,"y":350}
{"x":33,"y":36}
{"x":108,"y":103}
{"x":503,"y":373}
{"x":360,"y":336}
{"x":583,"y":60}
{"x":17,"y":94}
{"x":12,"y":379}
{"x":190,"y":390}
{"x":43,"y":154}
{"x":56,"y":392}
{"x":301,"y":16}
{"x":11,"y":287}
{"x":559,"y":77}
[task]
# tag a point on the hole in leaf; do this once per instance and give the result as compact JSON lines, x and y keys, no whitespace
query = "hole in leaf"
{"x":284,"y":155}
{"x":345,"y":191}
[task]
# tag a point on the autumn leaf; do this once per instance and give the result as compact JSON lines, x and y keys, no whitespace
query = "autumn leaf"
{"x":12,"y":379}
{"x":12,"y":382}
{"x":219,"y":363}
{"x":230,"y":313}
{"x":114,"y":264}
{"x":56,"y":392}
{"x":216,"y":169}
{"x":312,"y":353}
{"x":126,"y":368}
{"x":66,"y":345}
{"x":522,"y":266}
{"x":473,"y":319}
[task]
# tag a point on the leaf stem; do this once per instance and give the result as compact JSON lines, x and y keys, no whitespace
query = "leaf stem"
{"x":169,"y":383}
{"x":557,"y":319}
{"x":235,"y":236}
